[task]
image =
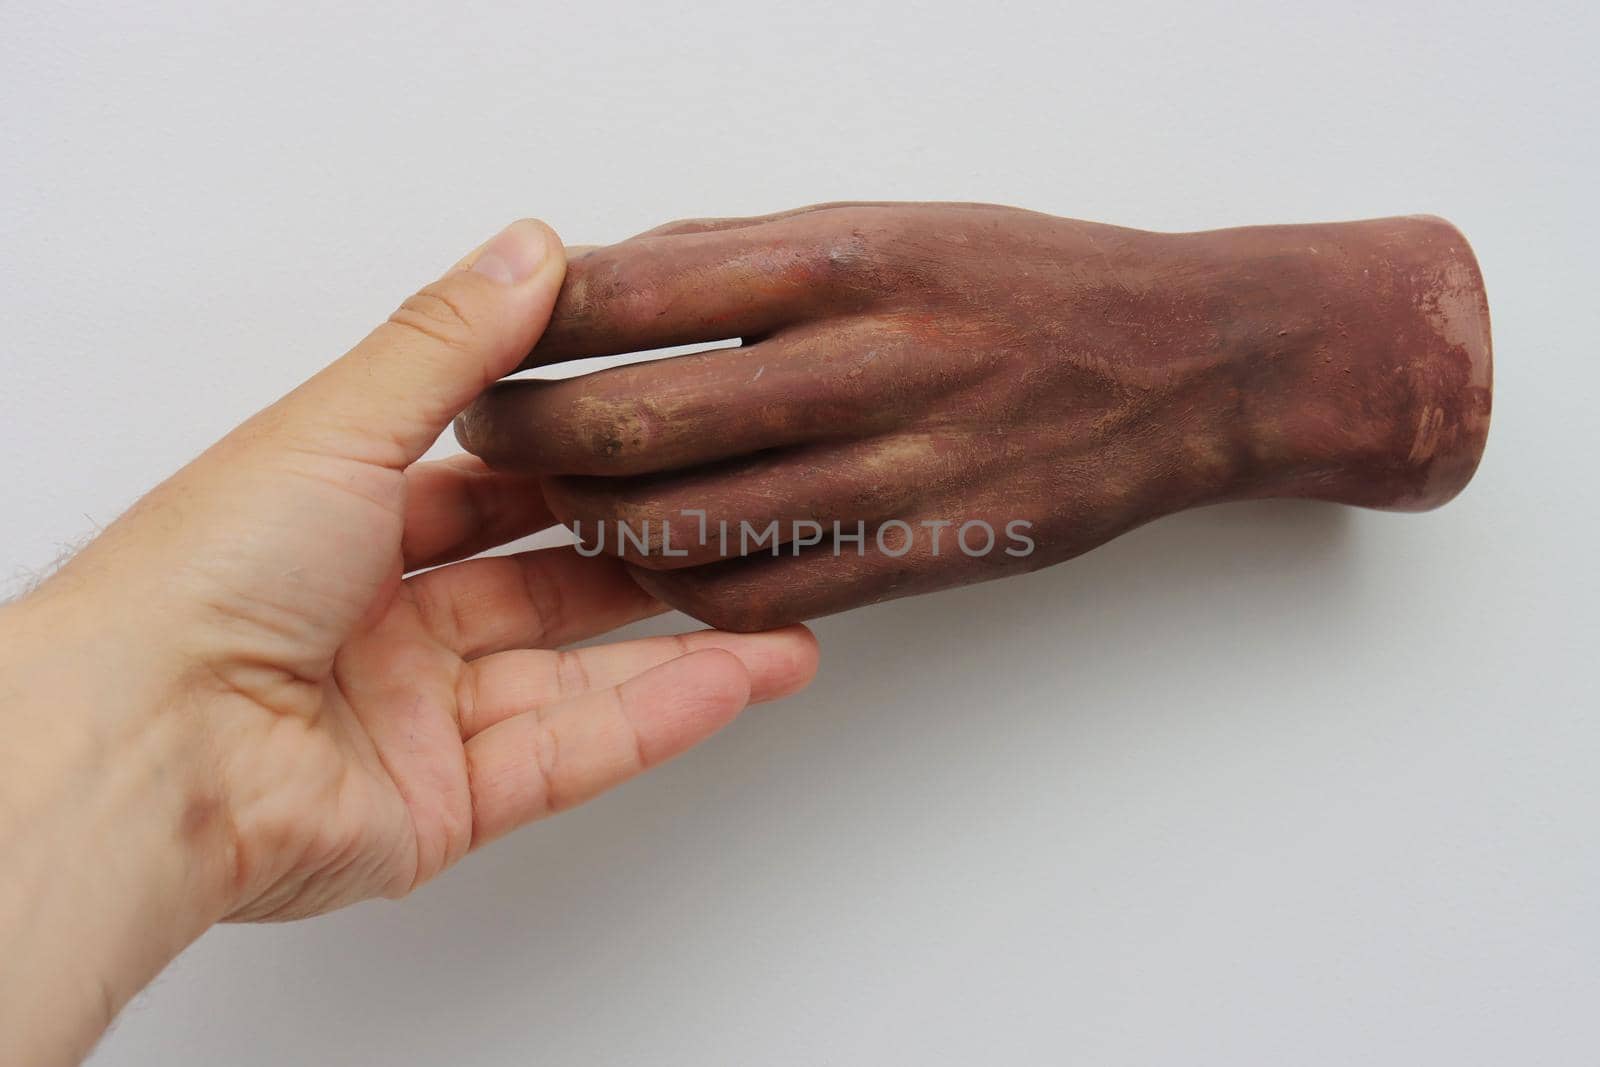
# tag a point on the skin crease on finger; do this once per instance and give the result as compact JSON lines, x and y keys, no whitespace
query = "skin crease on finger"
{"x":952,"y":362}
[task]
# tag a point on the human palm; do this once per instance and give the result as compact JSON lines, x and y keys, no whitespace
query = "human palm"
{"x":445,"y":715}
{"x":376,"y":703}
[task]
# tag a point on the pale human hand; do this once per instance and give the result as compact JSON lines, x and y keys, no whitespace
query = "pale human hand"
{"x":235,"y":704}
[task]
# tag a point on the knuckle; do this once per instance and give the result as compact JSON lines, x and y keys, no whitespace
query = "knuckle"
{"x":572,"y":675}
{"x":611,"y":275}
{"x":591,"y":425}
{"x":844,"y":255}
{"x":439,"y":613}
{"x":854,"y":250}
{"x":628,"y":520}
{"x":546,"y":761}
{"x":615,"y":432}
{"x":437,"y":314}
{"x":662,"y":534}
{"x":679,"y":227}
{"x":546,"y":598}
{"x":583,"y":508}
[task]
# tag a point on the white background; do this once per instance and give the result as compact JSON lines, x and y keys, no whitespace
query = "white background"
{"x":1276,"y":783}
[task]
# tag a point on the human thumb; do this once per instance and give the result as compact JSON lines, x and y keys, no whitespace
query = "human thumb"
{"x":387,"y":399}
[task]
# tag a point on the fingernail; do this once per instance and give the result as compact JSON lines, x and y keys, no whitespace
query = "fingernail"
{"x":514,"y":254}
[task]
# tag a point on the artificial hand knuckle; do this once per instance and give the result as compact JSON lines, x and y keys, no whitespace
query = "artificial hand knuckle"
{"x":849,"y":255}
{"x":688,"y":226}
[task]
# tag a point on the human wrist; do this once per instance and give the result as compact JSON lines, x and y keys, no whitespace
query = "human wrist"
{"x":1346,"y":361}
{"x":116,"y":849}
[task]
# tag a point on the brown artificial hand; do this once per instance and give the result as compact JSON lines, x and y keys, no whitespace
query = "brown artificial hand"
{"x":955,"y":363}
